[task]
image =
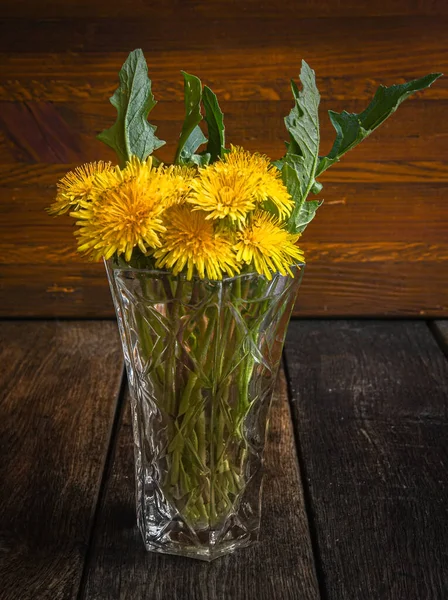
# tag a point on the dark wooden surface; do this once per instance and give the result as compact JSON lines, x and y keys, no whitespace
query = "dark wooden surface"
{"x":59,"y":385}
{"x":355,"y":501}
{"x":370,"y":404}
{"x":379,"y":245}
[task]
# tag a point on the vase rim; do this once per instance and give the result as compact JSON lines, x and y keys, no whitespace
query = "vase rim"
{"x":161,"y":272}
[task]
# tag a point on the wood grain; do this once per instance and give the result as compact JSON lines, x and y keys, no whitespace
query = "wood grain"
{"x":225,"y":64}
{"x":281,"y":564}
{"x":352,"y":213}
{"x":358,"y":263}
{"x":371,"y":172}
{"x":44,"y":132}
{"x":339,"y":289}
{"x":93,"y":77}
{"x":227,"y":9}
{"x":55,"y":290}
{"x":60,"y":383}
{"x":382,"y":43}
{"x":370,"y":404}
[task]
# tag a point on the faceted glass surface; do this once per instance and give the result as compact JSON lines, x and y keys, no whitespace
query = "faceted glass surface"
{"x":202,"y":359}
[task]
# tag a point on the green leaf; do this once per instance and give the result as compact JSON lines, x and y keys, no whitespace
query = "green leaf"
{"x":194,"y":140}
{"x":317,"y":188}
{"x":303,"y":126}
{"x":293,"y":177}
{"x":304,"y":210}
{"x":131,"y":133}
{"x":200,"y":160}
{"x":191,"y":136}
{"x":352,"y":128}
{"x":300,"y":163}
{"x":215,"y":123}
{"x":305,"y":214}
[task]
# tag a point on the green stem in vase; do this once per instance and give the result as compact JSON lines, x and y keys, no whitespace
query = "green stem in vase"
{"x":171,"y":383}
{"x":207,"y":449}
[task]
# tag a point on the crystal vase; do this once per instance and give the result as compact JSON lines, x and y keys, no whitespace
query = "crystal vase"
{"x":202,"y":359}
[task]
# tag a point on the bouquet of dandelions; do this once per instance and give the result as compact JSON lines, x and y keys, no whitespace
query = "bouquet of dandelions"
{"x":216,"y":227}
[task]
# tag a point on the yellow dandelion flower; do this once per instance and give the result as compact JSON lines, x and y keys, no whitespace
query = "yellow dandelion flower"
{"x":138,"y":168}
{"x":113,"y":178}
{"x":106,"y":181}
{"x":223,"y":191}
{"x":174,"y":180}
{"x":264,"y":243}
{"x":265,"y":178}
{"x":77,"y":185}
{"x":179,"y":183}
{"x":122,"y":218}
{"x":237,"y":184}
{"x":191,"y":242}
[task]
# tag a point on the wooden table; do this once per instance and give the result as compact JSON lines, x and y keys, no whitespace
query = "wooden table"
{"x":356,"y":495}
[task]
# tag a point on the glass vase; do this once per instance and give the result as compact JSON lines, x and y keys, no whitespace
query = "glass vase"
{"x":202,"y":359}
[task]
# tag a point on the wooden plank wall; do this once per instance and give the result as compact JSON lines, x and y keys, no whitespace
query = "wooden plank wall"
{"x":379,"y":245}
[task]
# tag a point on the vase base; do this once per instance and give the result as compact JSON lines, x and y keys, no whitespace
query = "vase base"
{"x":204,"y":554}
{"x":206,"y":545}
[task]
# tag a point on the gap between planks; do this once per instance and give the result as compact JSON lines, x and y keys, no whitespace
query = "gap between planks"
{"x":113,"y":439}
{"x":307,"y":500}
